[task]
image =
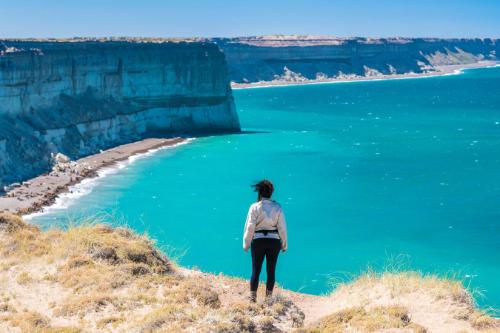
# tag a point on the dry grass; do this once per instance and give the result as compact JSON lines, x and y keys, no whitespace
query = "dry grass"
{"x":113,"y":246}
{"x":444,"y":299}
{"x":110,"y":322}
{"x":362,"y":320}
{"x":81,"y":305}
{"x":10,"y":223}
{"x":400,"y":283}
{"x":94,"y":278}
{"x":482,"y":321}
{"x":97,"y":241}
{"x":117,"y":280}
{"x":24,"y":278}
{"x":34,"y":322}
{"x":24,"y":241}
{"x":28,"y":321}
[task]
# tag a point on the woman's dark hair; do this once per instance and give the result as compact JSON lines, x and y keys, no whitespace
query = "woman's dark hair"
{"x":265,"y":188}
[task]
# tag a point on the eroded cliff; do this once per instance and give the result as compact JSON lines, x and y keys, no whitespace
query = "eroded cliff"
{"x":78,"y":97}
{"x":296,"y":58}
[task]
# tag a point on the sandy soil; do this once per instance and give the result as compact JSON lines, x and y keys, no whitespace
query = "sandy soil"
{"x":440,"y":70}
{"x":95,"y":278}
{"x":41,"y":191}
{"x":430,"y":305}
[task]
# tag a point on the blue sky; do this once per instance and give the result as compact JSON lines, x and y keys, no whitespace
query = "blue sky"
{"x":187,"y":18}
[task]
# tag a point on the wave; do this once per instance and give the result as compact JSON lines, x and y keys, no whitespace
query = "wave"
{"x":87,"y":185}
{"x":356,"y":80}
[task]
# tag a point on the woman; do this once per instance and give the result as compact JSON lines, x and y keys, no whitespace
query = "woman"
{"x":265,"y":233}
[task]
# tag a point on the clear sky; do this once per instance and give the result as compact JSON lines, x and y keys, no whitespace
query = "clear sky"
{"x":209,"y":18}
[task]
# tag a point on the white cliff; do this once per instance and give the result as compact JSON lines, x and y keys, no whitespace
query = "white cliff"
{"x":78,"y":97}
{"x":266,"y":58}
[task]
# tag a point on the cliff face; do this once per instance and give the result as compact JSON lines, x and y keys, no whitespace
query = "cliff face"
{"x":267,"y":58}
{"x":79,"y":97}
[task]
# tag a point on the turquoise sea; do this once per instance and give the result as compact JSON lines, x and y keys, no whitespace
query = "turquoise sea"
{"x":370,"y":174}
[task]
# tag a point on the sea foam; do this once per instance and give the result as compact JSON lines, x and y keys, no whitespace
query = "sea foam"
{"x":87,"y":185}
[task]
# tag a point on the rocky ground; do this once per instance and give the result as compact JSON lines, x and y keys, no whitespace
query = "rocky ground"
{"x":94,"y":278}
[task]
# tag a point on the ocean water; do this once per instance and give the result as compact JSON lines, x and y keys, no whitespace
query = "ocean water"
{"x":370,"y":174}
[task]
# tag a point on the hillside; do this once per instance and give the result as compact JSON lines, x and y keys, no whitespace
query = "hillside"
{"x":95,"y":278}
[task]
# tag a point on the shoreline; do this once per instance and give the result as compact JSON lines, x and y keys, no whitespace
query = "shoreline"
{"x":37,"y":194}
{"x":40,"y":193}
{"x":443,"y":70}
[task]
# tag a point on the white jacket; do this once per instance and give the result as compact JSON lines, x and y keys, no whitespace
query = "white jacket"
{"x":265,"y":215}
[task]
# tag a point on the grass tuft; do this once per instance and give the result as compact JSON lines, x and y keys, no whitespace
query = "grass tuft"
{"x":359,"y":319}
{"x":24,"y":278}
{"x":78,"y":305}
{"x":406,"y":282}
{"x":113,"y":321}
{"x":11,"y":223}
{"x":482,"y":321}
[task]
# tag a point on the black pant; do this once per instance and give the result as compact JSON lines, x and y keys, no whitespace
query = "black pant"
{"x":269,"y":248}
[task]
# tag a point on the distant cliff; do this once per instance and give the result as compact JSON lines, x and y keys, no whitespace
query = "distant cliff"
{"x":292,"y":58}
{"x":77,"y":97}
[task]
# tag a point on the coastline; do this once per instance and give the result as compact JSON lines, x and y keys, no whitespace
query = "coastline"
{"x":41,"y":192}
{"x":443,"y":70}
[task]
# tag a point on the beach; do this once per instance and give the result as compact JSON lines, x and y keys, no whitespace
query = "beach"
{"x":33,"y":195}
{"x":439,"y":71}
